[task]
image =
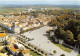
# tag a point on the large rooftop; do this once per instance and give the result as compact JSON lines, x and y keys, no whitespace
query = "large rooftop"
{"x":3,"y":34}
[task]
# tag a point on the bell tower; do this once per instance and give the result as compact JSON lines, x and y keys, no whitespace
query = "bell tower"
{"x":13,"y":27}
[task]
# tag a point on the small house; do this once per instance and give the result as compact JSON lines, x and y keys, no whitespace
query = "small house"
{"x":51,"y":33}
{"x":61,"y":41}
{"x":3,"y":37}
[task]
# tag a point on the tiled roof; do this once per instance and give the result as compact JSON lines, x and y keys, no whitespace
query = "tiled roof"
{"x":1,"y":18}
{"x":25,"y":51}
{"x":3,"y":34}
{"x":5,"y":18}
{"x":11,"y":46}
{"x":13,"y":49}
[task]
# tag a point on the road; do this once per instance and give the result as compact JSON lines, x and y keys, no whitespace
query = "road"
{"x":41,"y":42}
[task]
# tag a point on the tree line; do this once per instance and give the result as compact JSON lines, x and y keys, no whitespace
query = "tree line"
{"x":68,"y":27}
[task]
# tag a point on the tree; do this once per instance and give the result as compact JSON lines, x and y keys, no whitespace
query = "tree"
{"x":39,"y":50}
{"x":3,"y":50}
{"x":35,"y":48}
{"x":78,"y":37}
{"x":53,"y":22}
{"x":68,"y":27}
{"x":62,"y":55}
{"x":29,"y":44}
{"x":74,"y":26}
{"x":69,"y":37}
{"x":42,"y":52}
{"x":60,"y":33}
{"x":32,"y":46}
{"x":46,"y":54}
{"x":54,"y":51}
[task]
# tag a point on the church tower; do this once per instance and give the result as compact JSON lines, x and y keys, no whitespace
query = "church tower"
{"x":13,"y":27}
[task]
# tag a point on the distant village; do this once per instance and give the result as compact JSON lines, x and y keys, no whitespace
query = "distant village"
{"x":31,"y":32}
{"x":23,"y":22}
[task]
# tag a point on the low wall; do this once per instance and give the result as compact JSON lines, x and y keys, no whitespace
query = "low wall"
{"x":71,"y":46}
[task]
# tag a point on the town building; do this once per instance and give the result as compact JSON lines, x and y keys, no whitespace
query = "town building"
{"x":18,"y":50}
{"x":3,"y":37}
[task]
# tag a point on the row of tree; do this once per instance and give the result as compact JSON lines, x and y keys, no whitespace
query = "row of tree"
{"x":50,"y":12}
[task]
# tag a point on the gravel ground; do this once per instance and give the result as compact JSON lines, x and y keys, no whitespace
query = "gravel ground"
{"x":42,"y":42}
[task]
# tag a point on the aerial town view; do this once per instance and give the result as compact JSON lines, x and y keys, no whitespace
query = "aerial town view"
{"x":39,"y":27}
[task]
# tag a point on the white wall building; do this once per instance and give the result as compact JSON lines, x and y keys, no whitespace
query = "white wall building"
{"x":3,"y":37}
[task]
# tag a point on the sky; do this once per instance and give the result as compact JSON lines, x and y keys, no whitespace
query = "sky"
{"x":36,"y":2}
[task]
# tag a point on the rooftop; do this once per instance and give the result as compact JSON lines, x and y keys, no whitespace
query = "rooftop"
{"x":11,"y":46}
{"x":25,"y":51}
{"x":3,"y":34}
{"x":14,"y":48}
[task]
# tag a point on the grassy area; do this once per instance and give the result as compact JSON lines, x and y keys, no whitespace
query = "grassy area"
{"x":59,"y":45}
{"x":1,"y":44}
{"x":3,"y":50}
{"x":78,"y":55}
{"x":33,"y":53}
{"x":64,"y":48}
